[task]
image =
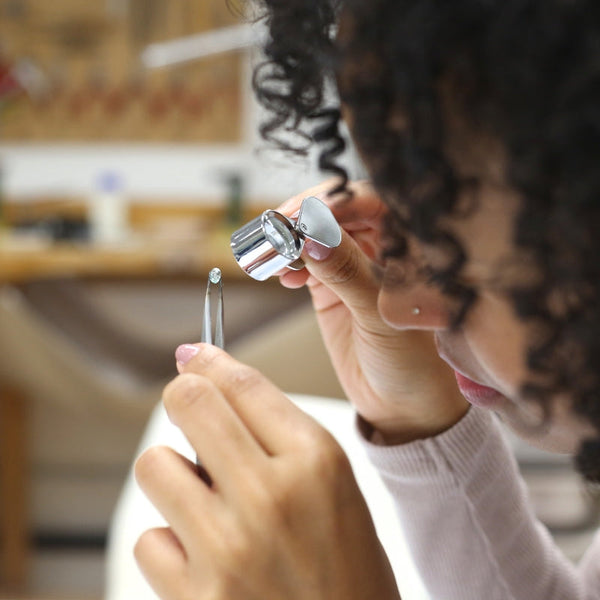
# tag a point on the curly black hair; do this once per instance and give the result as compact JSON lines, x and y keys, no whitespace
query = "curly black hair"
{"x":525,"y":72}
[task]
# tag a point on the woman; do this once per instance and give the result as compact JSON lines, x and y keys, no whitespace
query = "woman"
{"x":466,"y":286}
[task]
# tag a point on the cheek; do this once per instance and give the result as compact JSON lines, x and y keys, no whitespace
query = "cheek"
{"x":498,"y":339}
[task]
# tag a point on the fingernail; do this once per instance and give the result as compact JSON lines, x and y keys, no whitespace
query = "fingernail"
{"x":316,"y":251}
{"x":185,"y":353}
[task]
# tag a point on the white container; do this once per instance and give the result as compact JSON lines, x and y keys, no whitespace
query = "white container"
{"x":108,"y":211}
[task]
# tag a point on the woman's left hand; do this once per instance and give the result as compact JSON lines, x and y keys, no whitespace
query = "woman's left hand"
{"x":283,"y":516}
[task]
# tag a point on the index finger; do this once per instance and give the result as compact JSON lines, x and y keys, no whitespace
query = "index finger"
{"x":352,"y":276}
{"x":276,"y":423}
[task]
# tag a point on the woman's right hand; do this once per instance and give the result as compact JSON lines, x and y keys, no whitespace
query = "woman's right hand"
{"x":394,"y":378}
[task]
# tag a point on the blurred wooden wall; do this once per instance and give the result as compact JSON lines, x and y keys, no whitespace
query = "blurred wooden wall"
{"x":84,"y":80}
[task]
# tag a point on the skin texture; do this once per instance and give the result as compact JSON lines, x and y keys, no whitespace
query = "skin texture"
{"x":283,"y":517}
{"x":376,"y":364}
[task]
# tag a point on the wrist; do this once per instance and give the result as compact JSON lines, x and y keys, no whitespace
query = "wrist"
{"x":397,"y":429}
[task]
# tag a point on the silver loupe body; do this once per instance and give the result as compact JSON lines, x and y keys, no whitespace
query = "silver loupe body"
{"x":272,"y":241}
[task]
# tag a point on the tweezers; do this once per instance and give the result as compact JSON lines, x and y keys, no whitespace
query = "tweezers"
{"x":210,"y":334}
{"x":212,"y":322}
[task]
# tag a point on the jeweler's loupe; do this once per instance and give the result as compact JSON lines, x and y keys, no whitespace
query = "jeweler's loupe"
{"x":273,"y":241}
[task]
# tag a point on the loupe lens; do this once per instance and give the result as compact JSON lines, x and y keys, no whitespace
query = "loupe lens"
{"x":266,"y":245}
{"x":280,"y":235}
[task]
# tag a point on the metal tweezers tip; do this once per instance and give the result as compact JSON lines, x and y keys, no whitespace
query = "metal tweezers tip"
{"x":214,"y":335}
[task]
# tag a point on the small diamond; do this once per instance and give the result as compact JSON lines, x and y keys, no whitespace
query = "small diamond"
{"x":215,"y":275}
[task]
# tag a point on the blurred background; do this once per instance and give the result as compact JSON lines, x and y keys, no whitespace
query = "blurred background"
{"x":128,"y":154}
{"x":124,"y":167}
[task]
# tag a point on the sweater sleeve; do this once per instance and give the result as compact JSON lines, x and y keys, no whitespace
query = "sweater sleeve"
{"x":472,"y":533}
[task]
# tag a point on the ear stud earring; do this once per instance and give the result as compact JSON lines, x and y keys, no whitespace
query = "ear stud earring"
{"x":416,"y":311}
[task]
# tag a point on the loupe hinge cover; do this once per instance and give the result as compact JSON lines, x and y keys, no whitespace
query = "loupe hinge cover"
{"x":317,"y":223}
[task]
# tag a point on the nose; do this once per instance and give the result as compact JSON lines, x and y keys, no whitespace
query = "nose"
{"x":413,"y":305}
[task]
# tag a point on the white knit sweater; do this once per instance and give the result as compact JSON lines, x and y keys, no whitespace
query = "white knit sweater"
{"x":468,"y":522}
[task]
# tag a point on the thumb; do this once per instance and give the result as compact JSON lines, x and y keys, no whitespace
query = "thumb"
{"x":348,"y":272}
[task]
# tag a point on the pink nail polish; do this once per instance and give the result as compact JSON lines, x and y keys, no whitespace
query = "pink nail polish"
{"x":316,"y":251}
{"x":185,"y":353}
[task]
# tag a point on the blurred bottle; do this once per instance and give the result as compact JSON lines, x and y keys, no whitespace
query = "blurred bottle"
{"x":108,"y":210}
{"x":235,"y":191}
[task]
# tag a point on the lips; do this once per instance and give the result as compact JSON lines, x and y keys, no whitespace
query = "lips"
{"x":475,"y":393}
